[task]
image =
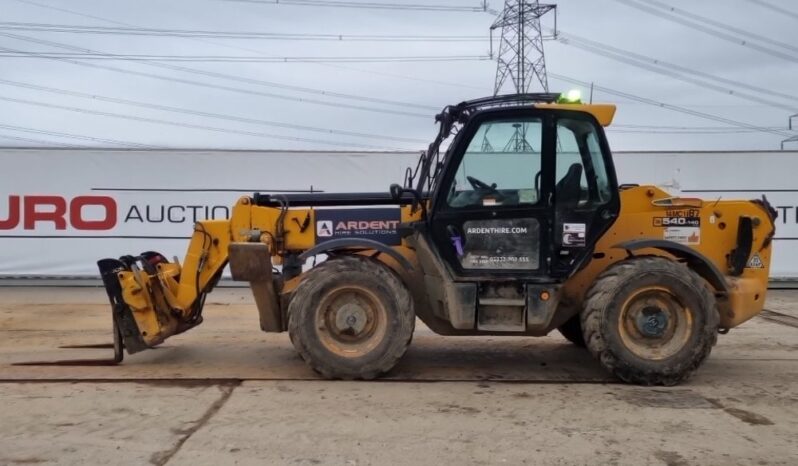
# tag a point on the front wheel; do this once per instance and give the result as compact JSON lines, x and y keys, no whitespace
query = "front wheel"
{"x":650,"y":321}
{"x":351,"y":318}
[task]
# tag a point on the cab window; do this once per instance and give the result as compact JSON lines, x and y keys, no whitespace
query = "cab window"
{"x":581,"y":175}
{"x":501,"y":166}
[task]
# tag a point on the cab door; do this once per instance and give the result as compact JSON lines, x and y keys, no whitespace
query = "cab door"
{"x":491,"y":214}
{"x":586,"y":200}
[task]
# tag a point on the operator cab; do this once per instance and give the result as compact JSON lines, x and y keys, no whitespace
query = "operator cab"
{"x":515,"y":205}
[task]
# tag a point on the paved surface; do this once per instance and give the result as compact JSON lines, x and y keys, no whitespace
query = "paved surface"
{"x":225,"y":393}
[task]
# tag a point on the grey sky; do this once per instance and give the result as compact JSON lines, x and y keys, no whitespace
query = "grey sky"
{"x":431,"y":84}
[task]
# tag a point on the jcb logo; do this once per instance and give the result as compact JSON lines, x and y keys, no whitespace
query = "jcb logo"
{"x":31,"y":211}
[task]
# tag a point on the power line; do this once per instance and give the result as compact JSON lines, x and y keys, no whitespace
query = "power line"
{"x":250,"y":35}
{"x":664,"y":71}
{"x":37,"y":141}
{"x":370,"y":5}
{"x":229,"y":77}
{"x":75,"y":136}
{"x":690,"y":128}
{"x":96,"y":97}
{"x":697,"y":133}
{"x":65,"y":10}
{"x":393,"y":75}
{"x":239,"y":90}
{"x":675,"y":108}
{"x":713,"y":32}
{"x":240,"y":59}
{"x":568,"y":39}
{"x":683,"y":110}
{"x":403,"y":77}
{"x":775,"y":8}
{"x":259,"y":82}
{"x":718,"y":24}
{"x":188,"y":125}
{"x":564,"y":38}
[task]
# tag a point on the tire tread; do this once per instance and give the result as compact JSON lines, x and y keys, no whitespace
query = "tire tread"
{"x":596,"y":305}
{"x":302,"y":301}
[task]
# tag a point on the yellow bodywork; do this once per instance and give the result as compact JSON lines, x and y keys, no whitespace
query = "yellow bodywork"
{"x":159,"y":302}
{"x":717,"y":238}
{"x":603,"y":113}
{"x":168,"y":301}
{"x":155,"y":300}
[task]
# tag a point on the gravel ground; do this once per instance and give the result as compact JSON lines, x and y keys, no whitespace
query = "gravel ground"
{"x":225,"y":393}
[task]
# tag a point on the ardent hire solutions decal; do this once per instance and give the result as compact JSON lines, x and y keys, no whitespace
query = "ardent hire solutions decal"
{"x":375,"y":224}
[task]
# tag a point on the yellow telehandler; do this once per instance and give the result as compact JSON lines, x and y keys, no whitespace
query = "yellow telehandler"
{"x":519,"y":227}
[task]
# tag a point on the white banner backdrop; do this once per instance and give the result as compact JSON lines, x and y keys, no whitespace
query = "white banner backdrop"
{"x":62,"y":209}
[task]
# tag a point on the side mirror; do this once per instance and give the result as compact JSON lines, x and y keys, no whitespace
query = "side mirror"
{"x":396,"y":192}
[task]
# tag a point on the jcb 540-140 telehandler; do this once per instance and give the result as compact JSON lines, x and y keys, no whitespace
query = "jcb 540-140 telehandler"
{"x":518,"y":228}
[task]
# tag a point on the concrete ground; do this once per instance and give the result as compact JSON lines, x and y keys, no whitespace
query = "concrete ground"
{"x":225,"y":393}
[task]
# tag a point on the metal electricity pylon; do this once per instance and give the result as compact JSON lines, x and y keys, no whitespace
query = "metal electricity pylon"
{"x":521,"y":60}
{"x":518,"y":142}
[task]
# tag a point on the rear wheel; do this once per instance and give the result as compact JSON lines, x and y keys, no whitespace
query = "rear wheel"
{"x":351,"y":318}
{"x":650,"y":321}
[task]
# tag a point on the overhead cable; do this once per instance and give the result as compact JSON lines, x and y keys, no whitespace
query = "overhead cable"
{"x":776,"y":8}
{"x":225,"y":76}
{"x":188,"y":125}
{"x":256,"y":121}
{"x":240,"y":59}
{"x":371,"y":5}
{"x":42,"y":142}
{"x":75,"y":136}
{"x":249,"y":35}
{"x":571,"y":39}
{"x":239,"y":90}
{"x":675,"y":108}
{"x":718,"y":24}
{"x":735,"y":39}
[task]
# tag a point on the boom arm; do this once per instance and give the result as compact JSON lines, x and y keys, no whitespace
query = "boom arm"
{"x":154,"y":298}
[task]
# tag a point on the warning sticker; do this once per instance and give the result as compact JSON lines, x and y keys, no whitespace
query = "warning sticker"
{"x":755,"y":262}
{"x":683,"y":235}
{"x":573,"y":235}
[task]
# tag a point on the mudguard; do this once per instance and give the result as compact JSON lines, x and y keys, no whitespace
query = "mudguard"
{"x":695,"y":260}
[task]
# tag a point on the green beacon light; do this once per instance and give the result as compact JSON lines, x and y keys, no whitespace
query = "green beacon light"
{"x":574,"y":96}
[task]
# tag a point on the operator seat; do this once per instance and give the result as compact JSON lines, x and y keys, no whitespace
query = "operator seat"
{"x":569,"y":188}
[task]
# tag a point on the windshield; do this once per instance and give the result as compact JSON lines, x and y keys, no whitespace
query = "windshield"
{"x":501,"y":165}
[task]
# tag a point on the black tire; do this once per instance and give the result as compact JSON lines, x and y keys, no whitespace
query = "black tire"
{"x":350,"y":318}
{"x":572,"y":331}
{"x":624,"y":330}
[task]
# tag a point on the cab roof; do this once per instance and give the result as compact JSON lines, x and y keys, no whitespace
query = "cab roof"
{"x":603,"y":113}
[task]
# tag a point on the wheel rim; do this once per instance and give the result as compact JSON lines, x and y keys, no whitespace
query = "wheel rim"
{"x":654,"y":323}
{"x":351,"y":321}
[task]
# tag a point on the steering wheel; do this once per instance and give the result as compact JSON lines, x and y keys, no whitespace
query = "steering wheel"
{"x":485,"y":188}
{"x":480,"y":185}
